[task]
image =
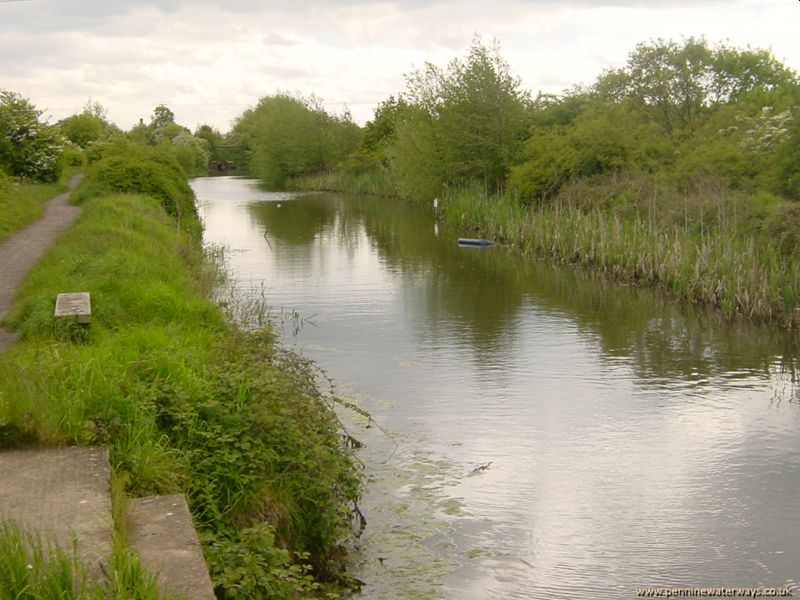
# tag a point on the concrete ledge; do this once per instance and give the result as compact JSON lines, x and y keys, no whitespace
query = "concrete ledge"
{"x":163,"y":535}
{"x":61,"y":493}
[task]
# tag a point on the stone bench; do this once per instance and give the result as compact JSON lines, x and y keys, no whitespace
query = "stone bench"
{"x":77,"y":305}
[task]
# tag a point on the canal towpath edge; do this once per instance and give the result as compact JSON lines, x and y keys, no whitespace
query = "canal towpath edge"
{"x":62,"y":503}
{"x":20,"y":252}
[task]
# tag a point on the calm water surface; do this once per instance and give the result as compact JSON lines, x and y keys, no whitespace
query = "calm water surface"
{"x":545,"y":434}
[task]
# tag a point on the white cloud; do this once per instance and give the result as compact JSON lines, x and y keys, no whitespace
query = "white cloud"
{"x":209,"y":61}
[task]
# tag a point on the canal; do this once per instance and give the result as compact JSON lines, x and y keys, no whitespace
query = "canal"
{"x":541,"y":432}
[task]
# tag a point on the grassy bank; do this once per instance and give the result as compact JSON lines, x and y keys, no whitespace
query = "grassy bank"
{"x":186,"y":402}
{"x":21,"y":202}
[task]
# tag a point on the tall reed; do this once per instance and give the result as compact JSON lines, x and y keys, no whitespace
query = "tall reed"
{"x":375,"y":181}
{"x":722,"y":260}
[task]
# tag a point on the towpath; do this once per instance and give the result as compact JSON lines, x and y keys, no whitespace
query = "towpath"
{"x":22,"y":250}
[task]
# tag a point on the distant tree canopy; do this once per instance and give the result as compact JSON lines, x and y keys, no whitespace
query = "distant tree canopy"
{"x":162,"y":116}
{"x":688,"y":113}
{"x":191,"y":151}
{"x":29,"y":147}
{"x":677,"y":85}
{"x":290,"y":135}
{"x":89,"y":126}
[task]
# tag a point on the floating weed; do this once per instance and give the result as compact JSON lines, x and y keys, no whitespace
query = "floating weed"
{"x":407,"y":550}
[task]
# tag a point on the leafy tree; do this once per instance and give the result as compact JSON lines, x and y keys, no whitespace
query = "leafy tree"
{"x":28,"y":147}
{"x":192,"y":152}
{"x":677,"y":85}
{"x":381,"y":130}
{"x":464,"y":123}
{"x":95,"y":109}
{"x":292,"y":135}
{"x":688,"y":113}
{"x":601,"y":139}
{"x":167,"y":132}
{"x":787,"y":162}
{"x":212,"y":137}
{"x":161,"y":116}
{"x":83,"y":129}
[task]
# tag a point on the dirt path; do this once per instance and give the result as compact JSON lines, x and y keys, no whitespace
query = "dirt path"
{"x":22,"y":250}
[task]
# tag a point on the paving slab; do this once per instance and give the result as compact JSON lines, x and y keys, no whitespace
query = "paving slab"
{"x":62,"y":494}
{"x":163,"y":534}
{"x":74,"y":304}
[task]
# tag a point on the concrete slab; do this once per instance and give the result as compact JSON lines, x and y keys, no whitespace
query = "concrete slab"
{"x":163,"y":534}
{"x":61,"y":493}
{"x":74,"y":304}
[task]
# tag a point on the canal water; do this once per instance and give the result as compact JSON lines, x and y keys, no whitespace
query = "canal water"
{"x":540,"y":433}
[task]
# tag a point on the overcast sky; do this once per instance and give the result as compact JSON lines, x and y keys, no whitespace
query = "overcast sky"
{"x":208,"y":61}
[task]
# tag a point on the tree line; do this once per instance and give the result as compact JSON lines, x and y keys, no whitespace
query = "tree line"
{"x":690,"y":113}
{"x":33,"y":149}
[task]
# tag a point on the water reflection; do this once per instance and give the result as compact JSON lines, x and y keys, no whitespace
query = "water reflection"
{"x":559,"y":436}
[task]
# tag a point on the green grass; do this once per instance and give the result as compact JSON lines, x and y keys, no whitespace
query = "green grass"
{"x":21,"y":203}
{"x":35,"y":569}
{"x":185,"y":401}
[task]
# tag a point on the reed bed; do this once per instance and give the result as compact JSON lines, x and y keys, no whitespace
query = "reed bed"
{"x":375,"y":182}
{"x":713,"y":250}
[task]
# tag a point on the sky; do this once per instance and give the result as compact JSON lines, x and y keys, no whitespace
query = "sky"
{"x":209,"y":61}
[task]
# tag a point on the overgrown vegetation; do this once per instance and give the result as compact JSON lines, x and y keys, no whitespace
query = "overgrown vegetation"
{"x":680,"y":168}
{"x":186,"y":402}
{"x":125,"y":166}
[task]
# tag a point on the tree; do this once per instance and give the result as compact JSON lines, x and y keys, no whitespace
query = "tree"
{"x":192,"y":152}
{"x":678,"y":85}
{"x":83,"y":129}
{"x":381,"y":130}
{"x":292,"y":135}
{"x":467,"y":122}
{"x":28,"y":147}
{"x":212,"y":137}
{"x":162,"y":116}
{"x":95,"y":109}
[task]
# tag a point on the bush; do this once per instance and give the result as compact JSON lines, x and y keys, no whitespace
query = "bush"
{"x":783,"y":229}
{"x":83,"y":129}
{"x":28,"y":147}
{"x":122,"y":166}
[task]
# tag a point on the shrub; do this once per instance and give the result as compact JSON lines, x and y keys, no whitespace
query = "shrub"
{"x":783,"y":228}
{"x":122,"y":166}
{"x":28,"y":147}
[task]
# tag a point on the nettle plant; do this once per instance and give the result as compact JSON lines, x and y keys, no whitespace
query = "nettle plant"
{"x":29,"y":147}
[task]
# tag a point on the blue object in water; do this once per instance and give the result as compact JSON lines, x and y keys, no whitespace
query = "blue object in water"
{"x":474,"y":242}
